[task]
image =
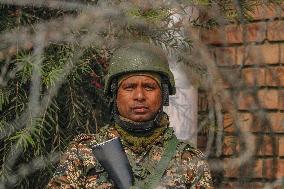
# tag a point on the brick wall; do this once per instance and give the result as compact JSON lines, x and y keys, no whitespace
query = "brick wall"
{"x":250,"y":57}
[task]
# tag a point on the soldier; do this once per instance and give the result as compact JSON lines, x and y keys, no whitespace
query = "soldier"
{"x":139,"y":82}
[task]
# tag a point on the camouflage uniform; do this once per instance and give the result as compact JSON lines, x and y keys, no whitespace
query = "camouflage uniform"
{"x":78,"y":167}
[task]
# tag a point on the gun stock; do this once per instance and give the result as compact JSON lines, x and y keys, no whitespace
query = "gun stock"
{"x":112,"y":157}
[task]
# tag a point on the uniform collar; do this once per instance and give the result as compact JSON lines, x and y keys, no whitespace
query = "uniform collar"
{"x":141,"y":142}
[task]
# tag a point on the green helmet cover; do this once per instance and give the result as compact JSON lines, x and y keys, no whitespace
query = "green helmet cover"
{"x":139,"y":57}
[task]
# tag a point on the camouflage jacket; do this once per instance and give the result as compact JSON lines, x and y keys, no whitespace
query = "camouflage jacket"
{"x":78,"y":167}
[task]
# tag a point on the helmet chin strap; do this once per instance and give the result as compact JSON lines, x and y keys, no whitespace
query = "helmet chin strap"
{"x":138,"y":128}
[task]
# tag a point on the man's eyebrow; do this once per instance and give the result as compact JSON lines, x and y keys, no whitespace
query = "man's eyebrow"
{"x":150,"y":83}
{"x":128,"y":84}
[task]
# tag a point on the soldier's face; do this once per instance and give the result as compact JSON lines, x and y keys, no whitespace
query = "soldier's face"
{"x":139,"y":98}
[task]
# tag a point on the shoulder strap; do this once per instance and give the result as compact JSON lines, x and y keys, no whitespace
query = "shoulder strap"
{"x":153,"y":179}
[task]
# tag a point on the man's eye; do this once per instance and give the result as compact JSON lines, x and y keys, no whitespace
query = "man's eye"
{"x":128,"y":88}
{"x":149,"y":88}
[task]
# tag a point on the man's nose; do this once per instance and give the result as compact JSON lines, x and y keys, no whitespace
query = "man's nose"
{"x":139,"y":94}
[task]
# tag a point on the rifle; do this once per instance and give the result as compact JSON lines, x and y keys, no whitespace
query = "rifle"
{"x":112,"y":157}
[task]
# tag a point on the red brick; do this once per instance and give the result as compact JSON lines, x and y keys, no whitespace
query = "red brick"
{"x":228,"y":123}
{"x":274,"y":76}
{"x":258,"y":54}
{"x":268,"y":168}
{"x":277,"y":186}
{"x":237,"y":185}
{"x":234,"y":34}
{"x":257,"y":170}
{"x":240,"y":55}
{"x":226,"y":83}
{"x":246,"y":101}
{"x":275,"y":30}
{"x":228,"y":76}
{"x":226,"y":55}
{"x":255,"y":32}
{"x":266,"y":98}
{"x":266,"y":12}
{"x":281,"y":146}
{"x":230,"y":185}
{"x":280,"y":168}
{"x":253,"y":123}
{"x":282,"y":53}
{"x":247,"y":122}
{"x":226,"y":102}
{"x":252,"y":185}
{"x":276,"y":121}
{"x":266,"y":148}
{"x":230,"y":172}
{"x":254,"y":76}
{"x":230,"y":145}
{"x":229,"y":34}
{"x":212,"y":36}
{"x":269,"y":99}
{"x":281,"y":99}
{"x":263,"y":168}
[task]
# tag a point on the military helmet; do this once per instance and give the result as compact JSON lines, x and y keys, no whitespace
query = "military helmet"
{"x":139,"y":57}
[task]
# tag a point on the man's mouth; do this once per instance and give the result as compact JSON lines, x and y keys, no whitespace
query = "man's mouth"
{"x":140,"y":109}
